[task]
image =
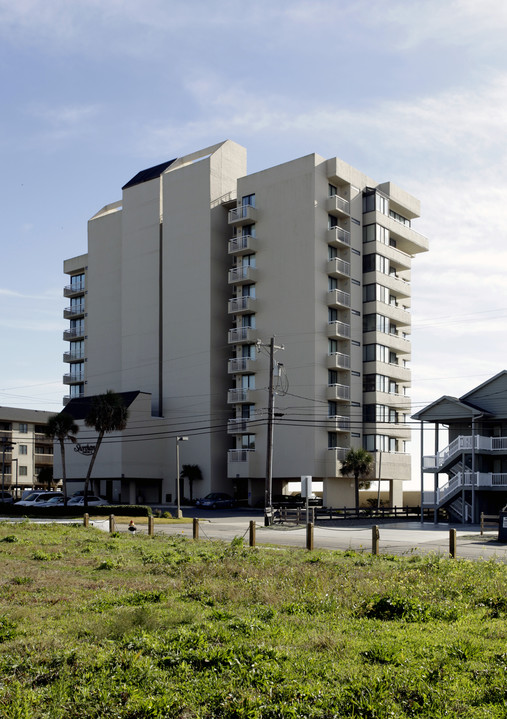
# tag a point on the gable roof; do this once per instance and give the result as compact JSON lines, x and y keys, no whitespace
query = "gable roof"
{"x":447,"y":408}
{"x":151,"y":173}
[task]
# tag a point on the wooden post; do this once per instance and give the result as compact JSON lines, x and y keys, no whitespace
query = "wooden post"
{"x":111,"y":523}
{"x":452,"y":543}
{"x":86,"y":519}
{"x":482,"y":523}
{"x":151,"y":526}
{"x":309,"y":536}
{"x":251,"y":533}
{"x":375,"y":537}
{"x":195,"y":528}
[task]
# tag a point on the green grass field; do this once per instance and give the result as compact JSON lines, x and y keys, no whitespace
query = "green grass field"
{"x":93,"y":625}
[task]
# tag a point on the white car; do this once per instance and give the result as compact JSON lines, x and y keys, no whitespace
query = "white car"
{"x":93,"y":501}
{"x":37,"y":499}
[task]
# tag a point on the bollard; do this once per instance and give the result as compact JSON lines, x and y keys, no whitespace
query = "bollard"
{"x":375,"y":537}
{"x":151,"y":526}
{"x":309,"y":536}
{"x":251,"y":533}
{"x":195,"y":528}
{"x":86,"y":519}
{"x":452,"y":543}
{"x":111,"y":523}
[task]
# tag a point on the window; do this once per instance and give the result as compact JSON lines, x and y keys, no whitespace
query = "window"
{"x":332,"y":409}
{"x":379,"y":383}
{"x":248,"y":351}
{"x":380,"y":443}
{"x":248,"y":291}
{"x":375,"y":262}
{"x":332,"y":314}
{"x":77,"y":349}
{"x":248,"y":231}
{"x":378,"y":323}
{"x":76,"y":390}
{"x":331,"y":190}
{"x":332,"y":252}
{"x":248,"y":200}
{"x":247,"y":441}
{"x":248,"y":381}
{"x":77,"y":282}
{"x":373,"y":200}
{"x":77,"y":304}
{"x":379,"y":413}
{"x":333,"y":347}
{"x":248,"y":261}
{"x":332,"y":222}
{"x":332,"y":377}
{"x":399,"y":218}
{"x":23,"y":471}
{"x":376,"y":233}
{"x":248,"y":321}
{"x":355,"y":282}
{"x":332,"y":283}
{"x":379,"y":353}
{"x":23,"y":428}
{"x":247,"y":411}
{"x":23,"y":449}
{"x":332,"y":440}
{"x":375,"y":292}
{"x":77,"y":371}
{"x":77,"y":327}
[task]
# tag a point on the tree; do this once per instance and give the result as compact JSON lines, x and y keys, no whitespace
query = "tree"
{"x":191,"y":471}
{"x":61,"y":427}
{"x":107,"y":414}
{"x":358,"y":463}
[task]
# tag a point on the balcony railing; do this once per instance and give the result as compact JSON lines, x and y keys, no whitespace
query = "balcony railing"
{"x":238,"y":395}
{"x":338,"y":329}
{"x":241,"y":304}
{"x":239,"y":455}
{"x":240,"y":426}
{"x":242,"y":334}
{"x":240,"y":364}
{"x":338,"y":267}
{"x":479,"y":480}
{"x":242,"y":215}
{"x":338,"y":298}
{"x":73,"y":333}
{"x":338,"y":236}
{"x":338,"y":205}
{"x":338,"y":360}
{"x":73,"y":379}
{"x":242,"y":243}
{"x":73,"y":311}
{"x":339,"y":422}
{"x":463,"y":443}
{"x":73,"y":290}
{"x":338,"y":391}
{"x":242,"y":273}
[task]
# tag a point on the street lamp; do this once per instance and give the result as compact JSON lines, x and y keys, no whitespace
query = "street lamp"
{"x":178,"y":507}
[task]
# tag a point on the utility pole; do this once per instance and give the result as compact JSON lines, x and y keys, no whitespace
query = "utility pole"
{"x":268,"y":487}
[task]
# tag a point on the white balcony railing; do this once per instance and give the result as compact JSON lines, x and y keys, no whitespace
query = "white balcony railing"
{"x":242,"y":214}
{"x":238,"y":395}
{"x":337,"y":266}
{"x":241,"y":243}
{"x":239,"y":455}
{"x":242,"y":334}
{"x":242,"y":273}
{"x":241,"y":304}
{"x":337,"y":235}
{"x":339,"y":329}
{"x":339,"y":422}
{"x":240,"y":364}
{"x":339,"y":359}
{"x":463,"y":443}
{"x":338,"y":391}
{"x":338,"y":204}
{"x":338,"y":297}
{"x":479,"y":480}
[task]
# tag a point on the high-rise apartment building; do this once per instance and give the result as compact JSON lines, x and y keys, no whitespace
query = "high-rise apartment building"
{"x":188,"y":278}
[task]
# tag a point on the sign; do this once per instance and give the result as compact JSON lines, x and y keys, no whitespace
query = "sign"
{"x":306,"y":486}
{"x":86,"y":449}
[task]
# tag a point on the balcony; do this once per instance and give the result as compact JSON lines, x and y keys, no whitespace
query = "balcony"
{"x":338,"y":423}
{"x":338,"y":237}
{"x":74,"y":290}
{"x":463,"y":444}
{"x":243,"y":215}
{"x":44,"y":460}
{"x":338,"y":360}
{"x":238,"y":305}
{"x":242,"y":274}
{"x":73,"y":333}
{"x":338,"y":268}
{"x":74,"y":311}
{"x":73,"y":379}
{"x":338,"y":329}
{"x":333,"y":460}
{"x":240,"y":426}
{"x":338,"y":392}
{"x":244,"y":244}
{"x":245,"y":463}
{"x":242,"y":334}
{"x":338,"y":206}
{"x":240,"y":395}
{"x":73,"y":356}
{"x":237,"y":365}
{"x":338,"y":298}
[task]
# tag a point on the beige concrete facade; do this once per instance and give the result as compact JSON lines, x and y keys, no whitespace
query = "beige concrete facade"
{"x":200,"y":264}
{"x":27,"y":449}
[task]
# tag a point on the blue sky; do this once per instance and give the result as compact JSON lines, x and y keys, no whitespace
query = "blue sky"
{"x":413,"y":92}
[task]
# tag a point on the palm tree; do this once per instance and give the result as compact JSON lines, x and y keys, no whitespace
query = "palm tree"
{"x":61,"y":427}
{"x":191,"y":471}
{"x":358,"y":463}
{"x":107,"y":414}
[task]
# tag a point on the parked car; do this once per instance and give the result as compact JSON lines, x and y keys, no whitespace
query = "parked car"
{"x":215,"y":500}
{"x":93,"y":501}
{"x":37,"y":498}
{"x":6,"y":497}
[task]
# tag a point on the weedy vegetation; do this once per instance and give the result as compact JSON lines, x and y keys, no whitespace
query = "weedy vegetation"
{"x":94,"y":625}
